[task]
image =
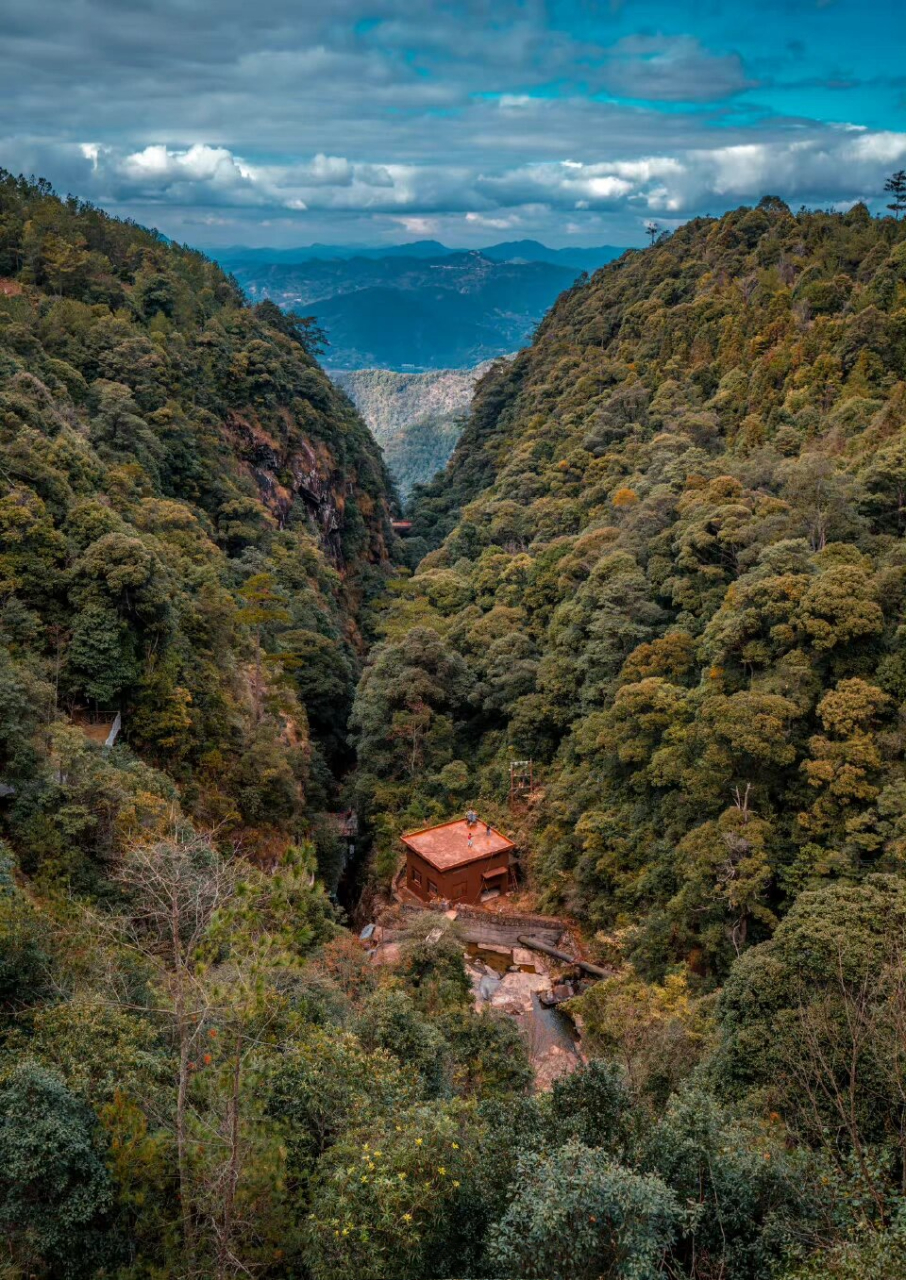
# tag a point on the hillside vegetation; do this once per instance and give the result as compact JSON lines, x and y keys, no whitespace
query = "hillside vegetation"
{"x":673,"y":573}
{"x":665,"y":562}
{"x":184,"y":490}
{"x":194,"y":529}
{"x":416,"y":418}
{"x":668,"y":566}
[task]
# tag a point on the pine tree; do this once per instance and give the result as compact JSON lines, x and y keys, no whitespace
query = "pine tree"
{"x":895,"y":186}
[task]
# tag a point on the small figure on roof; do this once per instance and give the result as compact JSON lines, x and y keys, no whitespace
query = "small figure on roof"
{"x":489,"y":829}
{"x":471,"y":818}
{"x":469,"y":841}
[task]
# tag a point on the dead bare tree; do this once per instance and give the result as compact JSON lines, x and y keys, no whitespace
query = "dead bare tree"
{"x":175,"y":886}
{"x":848,"y":1067}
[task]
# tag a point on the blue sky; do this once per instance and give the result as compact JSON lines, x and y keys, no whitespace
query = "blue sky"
{"x":573,"y":121}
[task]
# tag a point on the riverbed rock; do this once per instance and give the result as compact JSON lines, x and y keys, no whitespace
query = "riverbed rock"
{"x":552,"y":1064}
{"x":517,"y":989}
{"x":524,"y":958}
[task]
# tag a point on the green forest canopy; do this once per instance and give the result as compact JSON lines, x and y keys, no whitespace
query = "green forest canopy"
{"x":664,"y":563}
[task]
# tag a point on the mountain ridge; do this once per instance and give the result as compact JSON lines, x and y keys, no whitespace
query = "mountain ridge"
{"x":413,"y":314}
{"x":582,"y":258}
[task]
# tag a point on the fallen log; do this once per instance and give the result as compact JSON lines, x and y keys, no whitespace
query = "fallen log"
{"x":535,"y":945}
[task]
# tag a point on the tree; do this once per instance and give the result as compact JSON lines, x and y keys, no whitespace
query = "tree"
{"x":895,"y":186}
{"x":393,"y":1200}
{"x":55,"y":1192}
{"x":655,"y":1032}
{"x":264,"y":607}
{"x":749,"y":1196}
{"x":845,"y":772}
{"x":578,"y":1215}
{"x":101,"y":662}
{"x":304,"y":330}
{"x":813,"y":1023}
{"x":401,"y":709}
{"x":324,"y":1080}
{"x":176,"y":886}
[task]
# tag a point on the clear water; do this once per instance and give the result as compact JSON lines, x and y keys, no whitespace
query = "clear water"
{"x":499,"y":961}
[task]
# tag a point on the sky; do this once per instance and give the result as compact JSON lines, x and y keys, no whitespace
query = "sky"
{"x":287,"y":122}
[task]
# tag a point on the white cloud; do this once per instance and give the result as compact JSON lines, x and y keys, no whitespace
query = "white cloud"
{"x":418,"y":226}
{"x":829,"y":166}
{"x":493,"y":224}
{"x":157,"y":165}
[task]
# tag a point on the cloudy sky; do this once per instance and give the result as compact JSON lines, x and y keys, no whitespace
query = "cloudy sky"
{"x":284,"y":122}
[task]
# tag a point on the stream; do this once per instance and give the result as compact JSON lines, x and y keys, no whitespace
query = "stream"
{"x":549,"y":1034}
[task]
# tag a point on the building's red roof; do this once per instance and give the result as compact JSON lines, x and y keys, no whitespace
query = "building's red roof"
{"x":447,"y":846}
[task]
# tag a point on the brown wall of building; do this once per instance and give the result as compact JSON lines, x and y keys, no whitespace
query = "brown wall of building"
{"x":460,"y":884}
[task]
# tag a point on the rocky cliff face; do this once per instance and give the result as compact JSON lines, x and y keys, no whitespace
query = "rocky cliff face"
{"x":306,"y":474}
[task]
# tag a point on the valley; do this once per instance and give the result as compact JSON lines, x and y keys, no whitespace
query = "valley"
{"x":437,"y":309}
{"x":647,"y":621}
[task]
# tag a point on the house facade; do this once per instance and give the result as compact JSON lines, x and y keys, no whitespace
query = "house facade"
{"x":458,"y":861}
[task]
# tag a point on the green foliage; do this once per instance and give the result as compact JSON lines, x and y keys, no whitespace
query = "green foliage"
{"x":577,"y":1215}
{"x":182,"y":487}
{"x":392,"y":1201}
{"x":326,"y":1079}
{"x":55,"y":1193}
{"x":664,"y":550}
{"x":749,"y":1199}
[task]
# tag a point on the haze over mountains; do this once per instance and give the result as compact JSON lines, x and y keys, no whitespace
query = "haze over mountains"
{"x":583,"y":258}
{"x":411,"y":326}
{"x":417,"y":306}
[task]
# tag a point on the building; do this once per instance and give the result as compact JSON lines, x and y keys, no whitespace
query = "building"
{"x":440,"y":862}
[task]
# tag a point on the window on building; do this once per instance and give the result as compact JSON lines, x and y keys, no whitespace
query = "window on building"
{"x":432,"y":887}
{"x":416,"y":875}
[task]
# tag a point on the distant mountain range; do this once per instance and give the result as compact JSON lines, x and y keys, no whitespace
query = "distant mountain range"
{"x":418,"y":306}
{"x":578,"y":257}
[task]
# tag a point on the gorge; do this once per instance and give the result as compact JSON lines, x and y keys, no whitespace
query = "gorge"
{"x":664,"y":563}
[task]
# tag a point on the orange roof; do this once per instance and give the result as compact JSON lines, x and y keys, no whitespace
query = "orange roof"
{"x":447,"y":846}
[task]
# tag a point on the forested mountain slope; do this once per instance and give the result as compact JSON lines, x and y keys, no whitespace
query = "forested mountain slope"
{"x":416,"y":418}
{"x":667,"y":564}
{"x":193,"y":531}
{"x":672,"y":572}
{"x":192,"y":518}
{"x":669,"y":568}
